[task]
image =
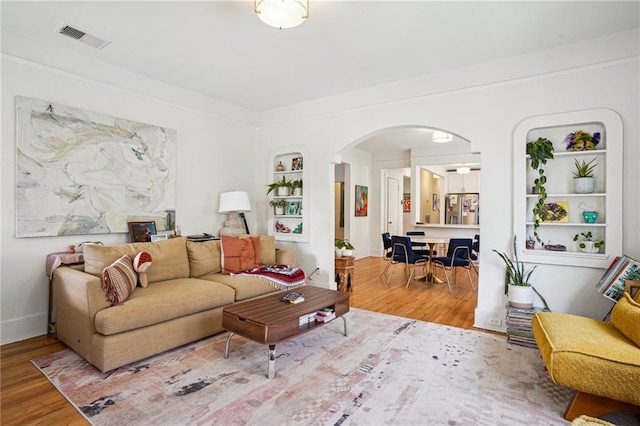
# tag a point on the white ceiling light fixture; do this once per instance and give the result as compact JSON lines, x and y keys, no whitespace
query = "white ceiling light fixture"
{"x":463,"y":170}
{"x":441,"y":137}
{"x":282,"y":13}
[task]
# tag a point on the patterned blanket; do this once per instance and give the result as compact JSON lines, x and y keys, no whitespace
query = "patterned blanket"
{"x":280,"y":276}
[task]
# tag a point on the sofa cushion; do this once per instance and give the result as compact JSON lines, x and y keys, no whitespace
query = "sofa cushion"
{"x":239,"y":254}
{"x":204,"y":258}
{"x":588,"y":355}
{"x":267,"y":250}
{"x":119,"y":280}
{"x":170,"y":260}
{"x":626,"y":318}
{"x":163,"y":301}
{"x":244,"y":287}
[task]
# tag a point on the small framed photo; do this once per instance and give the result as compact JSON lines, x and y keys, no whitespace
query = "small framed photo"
{"x":159,"y":237}
{"x":141,"y":232}
{"x":296,"y":163}
{"x":406,"y":203}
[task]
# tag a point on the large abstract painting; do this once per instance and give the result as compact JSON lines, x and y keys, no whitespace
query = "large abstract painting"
{"x":80,"y":172}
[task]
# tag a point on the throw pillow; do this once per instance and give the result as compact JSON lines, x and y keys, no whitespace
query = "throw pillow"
{"x":239,"y":254}
{"x":626,"y":317}
{"x":141,"y":264}
{"x":119,"y":280}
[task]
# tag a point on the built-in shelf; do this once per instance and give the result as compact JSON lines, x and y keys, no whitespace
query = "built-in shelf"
{"x":606,"y":200}
{"x":296,"y":223}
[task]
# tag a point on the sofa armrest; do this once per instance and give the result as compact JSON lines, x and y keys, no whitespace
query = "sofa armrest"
{"x":286,"y":257}
{"x":78,"y":297}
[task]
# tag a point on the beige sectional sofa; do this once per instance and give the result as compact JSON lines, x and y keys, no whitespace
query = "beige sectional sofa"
{"x":182,"y":303}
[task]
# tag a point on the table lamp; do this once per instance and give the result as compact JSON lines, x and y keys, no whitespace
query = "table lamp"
{"x":235,"y":203}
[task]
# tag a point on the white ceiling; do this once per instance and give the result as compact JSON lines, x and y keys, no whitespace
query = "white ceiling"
{"x":221,"y":49}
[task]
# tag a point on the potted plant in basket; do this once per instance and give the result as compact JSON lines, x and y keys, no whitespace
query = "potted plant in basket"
{"x":587,"y":242}
{"x":516,"y":281}
{"x":282,"y":187}
{"x":539,"y":152}
{"x":278,"y":206}
{"x":583,"y":180}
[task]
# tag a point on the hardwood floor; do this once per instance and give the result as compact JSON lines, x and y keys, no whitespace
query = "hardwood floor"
{"x":28,"y":398}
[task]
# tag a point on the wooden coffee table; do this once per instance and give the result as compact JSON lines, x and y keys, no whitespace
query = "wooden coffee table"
{"x":269,"y":321}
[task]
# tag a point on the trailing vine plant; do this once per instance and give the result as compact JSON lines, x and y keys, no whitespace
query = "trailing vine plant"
{"x":539,"y":152}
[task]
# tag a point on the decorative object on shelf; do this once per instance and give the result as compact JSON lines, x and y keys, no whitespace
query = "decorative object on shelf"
{"x":282,"y":13}
{"x":278,"y":206}
{"x":282,"y":187}
{"x":531,"y":243}
{"x":516,"y":281}
{"x":298,"y":229}
{"x":554,"y":212}
{"x":587,"y":242}
{"x":141,"y":231}
{"x":539,"y":153}
{"x":296,"y":187}
{"x":296,"y":163}
{"x":282,"y":228}
{"x":582,"y":141}
{"x":555,"y":247}
{"x":583,"y":181}
{"x":294,"y":208}
{"x":362,"y":200}
{"x":589,"y":215}
{"x":280,"y":167}
{"x":235,"y":203}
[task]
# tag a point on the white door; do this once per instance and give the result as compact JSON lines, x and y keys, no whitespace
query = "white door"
{"x":393,"y":207}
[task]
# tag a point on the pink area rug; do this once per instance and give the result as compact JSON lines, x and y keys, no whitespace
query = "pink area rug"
{"x":388,"y":371}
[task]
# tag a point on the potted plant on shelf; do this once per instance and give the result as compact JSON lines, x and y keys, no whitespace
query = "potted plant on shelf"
{"x":278,"y":206}
{"x":587,"y":242}
{"x":516,"y":281}
{"x":338,"y":247}
{"x":282,"y":187}
{"x":539,"y":153}
{"x":296,"y":187}
{"x":583,"y":180}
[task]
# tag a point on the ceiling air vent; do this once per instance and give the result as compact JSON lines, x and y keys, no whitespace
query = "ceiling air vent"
{"x":78,"y":34}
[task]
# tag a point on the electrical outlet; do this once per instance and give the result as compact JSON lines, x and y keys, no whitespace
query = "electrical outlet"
{"x":495,"y":321}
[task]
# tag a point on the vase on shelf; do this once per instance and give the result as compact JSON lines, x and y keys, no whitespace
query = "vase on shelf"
{"x":280,"y":167}
{"x":584,"y":185}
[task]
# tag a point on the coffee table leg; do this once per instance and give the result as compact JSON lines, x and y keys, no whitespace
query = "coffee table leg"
{"x":226,"y":348}
{"x":344,"y":320}
{"x":272,"y":362}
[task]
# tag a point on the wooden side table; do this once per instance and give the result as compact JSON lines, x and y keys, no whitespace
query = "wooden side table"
{"x":345,"y":273}
{"x":55,"y":260}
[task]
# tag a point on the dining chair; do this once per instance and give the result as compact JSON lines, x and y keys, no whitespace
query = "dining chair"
{"x":458,"y":256}
{"x":419,"y":245}
{"x":388,"y":252}
{"x":403,"y":253}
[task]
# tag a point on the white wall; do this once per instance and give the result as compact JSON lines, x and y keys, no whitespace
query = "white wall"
{"x":215,"y":154}
{"x":483,"y":104}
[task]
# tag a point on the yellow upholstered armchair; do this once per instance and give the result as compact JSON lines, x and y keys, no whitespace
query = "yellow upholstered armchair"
{"x":600,"y":360}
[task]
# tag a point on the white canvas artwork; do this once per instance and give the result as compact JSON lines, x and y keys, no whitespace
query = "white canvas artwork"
{"x":80,"y":172}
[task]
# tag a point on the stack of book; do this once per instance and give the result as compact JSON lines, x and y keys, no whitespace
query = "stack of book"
{"x":519,"y":330}
{"x":293,"y":297}
{"x":325,"y":315}
{"x":611,"y":285}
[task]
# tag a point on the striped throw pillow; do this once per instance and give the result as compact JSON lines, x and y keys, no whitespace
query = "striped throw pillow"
{"x":119,"y":280}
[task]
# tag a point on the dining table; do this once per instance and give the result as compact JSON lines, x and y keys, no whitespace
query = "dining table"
{"x":431,"y":242}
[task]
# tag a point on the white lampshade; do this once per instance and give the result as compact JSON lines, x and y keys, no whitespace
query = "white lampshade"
{"x":234,"y":201}
{"x":282,"y":13}
{"x":441,"y":137}
{"x":463,"y":170}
